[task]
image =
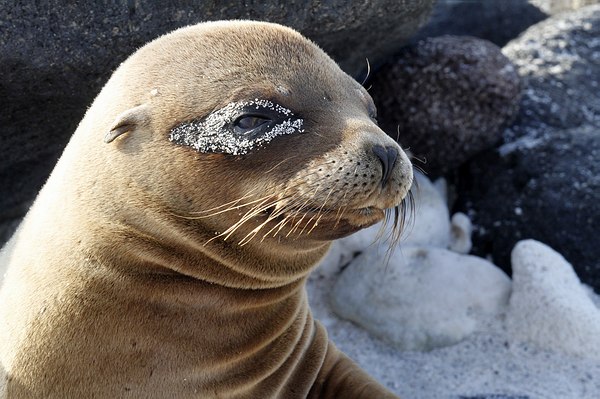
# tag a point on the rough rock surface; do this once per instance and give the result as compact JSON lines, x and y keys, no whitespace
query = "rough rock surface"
{"x":544,"y":181}
{"x":55,"y":58}
{"x":446,"y":99}
{"x":498,"y":21}
{"x":549,"y":306}
{"x":556,"y":6}
{"x":559,"y":61}
{"x":423,"y":298}
{"x":494,"y":396}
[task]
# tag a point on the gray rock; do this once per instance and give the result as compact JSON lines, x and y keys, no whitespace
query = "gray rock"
{"x":559,"y":62}
{"x":423,"y":298}
{"x":547,"y":189}
{"x":498,"y":21}
{"x":544,"y":181}
{"x":447,"y":99}
{"x":55,"y":58}
{"x":552,"y":7}
{"x":494,"y":396}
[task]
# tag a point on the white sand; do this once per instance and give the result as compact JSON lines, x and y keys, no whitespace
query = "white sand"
{"x":485,"y":363}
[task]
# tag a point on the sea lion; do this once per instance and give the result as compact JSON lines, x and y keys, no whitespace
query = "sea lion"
{"x":167,"y":254}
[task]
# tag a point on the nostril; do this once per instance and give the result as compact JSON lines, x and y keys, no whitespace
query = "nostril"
{"x":388,"y":157}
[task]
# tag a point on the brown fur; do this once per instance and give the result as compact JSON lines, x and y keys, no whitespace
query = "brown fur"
{"x":121,"y":280}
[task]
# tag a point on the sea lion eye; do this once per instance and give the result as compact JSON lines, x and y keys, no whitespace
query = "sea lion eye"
{"x":237,"y":128}
{"x":248,"y":123}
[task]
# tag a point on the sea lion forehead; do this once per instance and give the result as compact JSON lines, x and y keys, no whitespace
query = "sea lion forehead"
{"x":253,"y":54}
{"x":239,"y":42}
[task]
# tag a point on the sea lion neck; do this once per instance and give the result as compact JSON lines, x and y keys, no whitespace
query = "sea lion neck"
{"x":168,"y":245}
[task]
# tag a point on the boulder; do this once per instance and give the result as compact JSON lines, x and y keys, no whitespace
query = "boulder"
{"x":496,"y":21}
{"x":446,"y":99}
{"x":543,"y":182}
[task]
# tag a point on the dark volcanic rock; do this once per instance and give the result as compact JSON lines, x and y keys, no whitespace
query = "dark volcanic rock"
{"x":446,"y":99}
{"x":498,"y":21}
{"x":544,"y":181}
{"x":547,"y":189}
{"x":559,"y":61}
{"x":55,"y":59}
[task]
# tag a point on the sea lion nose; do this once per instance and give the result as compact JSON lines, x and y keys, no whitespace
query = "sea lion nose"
{"x":388,"y":157}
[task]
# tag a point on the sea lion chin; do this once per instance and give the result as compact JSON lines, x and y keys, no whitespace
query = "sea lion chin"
{"x":166,"y":256}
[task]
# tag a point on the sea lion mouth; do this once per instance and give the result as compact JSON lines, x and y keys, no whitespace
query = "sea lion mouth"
{"x":321,"y":222}
{"x":293,"y":217}
{"x":312,"y":217}
{"x":298,"y":212}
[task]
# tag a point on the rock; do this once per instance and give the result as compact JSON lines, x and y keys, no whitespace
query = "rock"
{"x":494,"y":396}
{"x":496,"y":21}
{"x":548,"y":190}
{"x":56,"y":58}
{"x":548,"y":306}
{"x":446,"y":99}
{"x":423,"y":298}
{"x":556,"y":6}
{"x":559,"y":62}
{"x":544,"y":181}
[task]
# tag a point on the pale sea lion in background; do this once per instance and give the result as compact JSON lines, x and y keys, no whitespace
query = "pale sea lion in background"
{"x":166,"y":256}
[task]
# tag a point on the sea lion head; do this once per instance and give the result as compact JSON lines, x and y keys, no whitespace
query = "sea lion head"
{"x":244,"y":133}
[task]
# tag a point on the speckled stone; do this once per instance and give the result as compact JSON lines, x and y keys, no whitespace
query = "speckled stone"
{"x":498,"y":21}
{"x":543,"y":182}
{"x":446,"y":99}
{"x":494,"y":396}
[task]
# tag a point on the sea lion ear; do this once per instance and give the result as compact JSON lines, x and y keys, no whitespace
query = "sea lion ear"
{"x":127,"y":122}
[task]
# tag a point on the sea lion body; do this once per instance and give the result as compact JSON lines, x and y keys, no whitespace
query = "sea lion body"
{"x":167,"y":253}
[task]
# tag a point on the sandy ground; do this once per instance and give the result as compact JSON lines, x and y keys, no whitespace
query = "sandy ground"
{"x":485,"y":365}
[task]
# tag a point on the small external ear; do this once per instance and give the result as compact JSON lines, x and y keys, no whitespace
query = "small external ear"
{"x":127,"y":122}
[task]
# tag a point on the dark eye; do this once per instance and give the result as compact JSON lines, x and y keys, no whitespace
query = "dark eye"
{"x":249,"y":123}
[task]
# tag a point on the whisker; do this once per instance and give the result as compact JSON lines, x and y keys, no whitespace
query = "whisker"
{"x":233,"y":208}
{"x":280,"y":163}
{"x":320,"y":210}
{"x":304,"y":214}
{"x":280,"y":223}
{"x":255,"y":211}
{"x":270,"y":218}
{"x":228,"y":203}
{"x":368,"y":73}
